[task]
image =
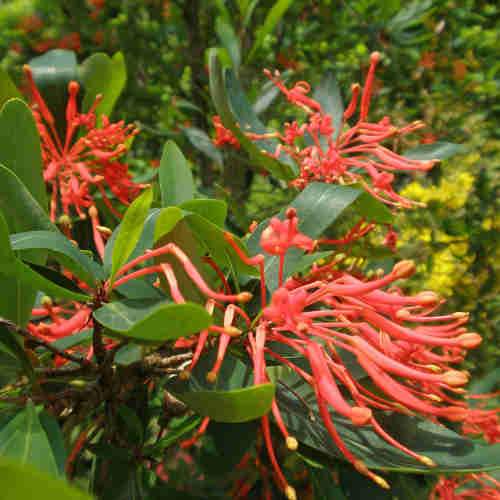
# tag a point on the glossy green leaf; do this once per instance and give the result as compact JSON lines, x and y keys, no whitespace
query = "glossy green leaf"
{"x":212,"y":238}
{"x":13,"y":358}
{"x":213,"y":210}
{"x":435,"y":151}
{"x":82,"y":337}
{"x":56,"y":439}
{"x":176,"y":178}
{"x":52,"y":72}
{"x":20,"y":482}
{"x":174,"y":435}
{"x":324,"y":485}
{"x":232,"y":398}
{"x":236,"y":114}
{"x":22,"y":198}
{"x":318,"y":206}
{"x":329,"y":96}
{"x":202,"y":142}
{"x":153,"y":321}
{"x":450,"y":451}
{"x":239,"y":405}
{"x":229,"y":41}
{"x":273,"y":17}
{"x":146,"y":240}
{"x":130,"y":230}
{"x":60,"y":248}
{"x":20,"y":149}
{"x":24,"y":439}
{"x":103,"y":75}
{"x":166,"y":221}
{"x":268,"y":94}
{"x":21,"y":210}
{"x":7,"y":88}
{"x":45,"y":279}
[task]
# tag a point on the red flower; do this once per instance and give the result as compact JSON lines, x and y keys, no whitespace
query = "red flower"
{"x":223,"y":135}
{"x":406,"y":350}
{"x":471,"y":486}
{"x":358,"y":154}
{"x":85,"y":159}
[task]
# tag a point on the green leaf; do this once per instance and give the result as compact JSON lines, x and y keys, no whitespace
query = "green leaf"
{"x":435,"y":151}
{"x":20,"y":150}
{"x":212,"y":238}
{"x":174,"y":435}
{"x":166,"y":221}
{"x":55,"y":438}
{"x":237,"y":115}
{"x":268,"y":94}
{"x":153,"y":321}
{"x":7,"y":88}
{"x":239,"y":405}
{"x":13,"y":358}
{"x":61,"y":249}
{"x":232,"y":398}
{"x":103,"y":75}
{"x":202,"y":142}
{"x":213,"y":210}
{"x":324,"y":486}
{"x":19,"y":482}
{"x":20,"y":208}
{"x":450,"y":451}
{"x":130,"y":230}
{"x":318,"y":206}
{"x":273,"y":17}
{"x":44,"y":279}
{"x":52,"y":72}
{"x":176,"y":178}
{"x":329,"y":96}
{"x":29,"y":276}
{"x":146,"y":240}
{"x":229,"y":41}
{"x":24,"y":439}
{"x":82,"y":337}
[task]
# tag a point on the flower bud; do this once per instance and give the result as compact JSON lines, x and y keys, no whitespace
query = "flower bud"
{"x":290,"y":492}
{"x":404,"y":269}
{"x":428,"y":298}
{"x":64,"y":220}
{"x":360,"y":416}
{"x":232,"y":331}
{"x":291,"y":443}
{"x":403,"y":314}
{"x":470,"y":340}
{"x":46,"y":301}
{"x":244,"y":297}
{"x":211,"y":377}
{"x":455,"y":378}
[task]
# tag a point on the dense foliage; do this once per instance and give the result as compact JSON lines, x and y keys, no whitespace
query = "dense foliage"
{"x":222,"y":261}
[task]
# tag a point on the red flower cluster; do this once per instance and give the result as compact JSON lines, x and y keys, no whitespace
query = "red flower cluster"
{"x":471,"y":486}
{"x":86,"y":157}
{"x":405,"y":349}
{"x":358,"y":154}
